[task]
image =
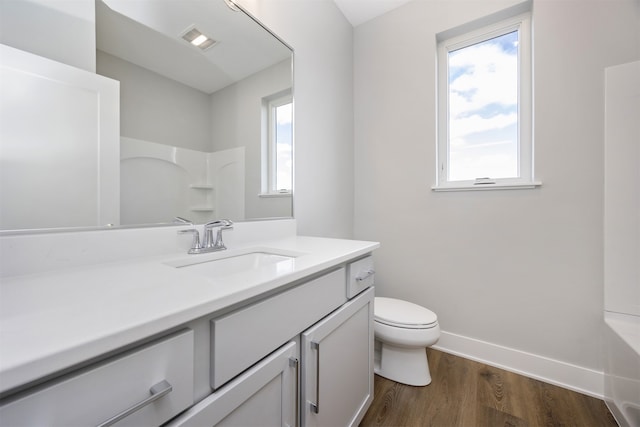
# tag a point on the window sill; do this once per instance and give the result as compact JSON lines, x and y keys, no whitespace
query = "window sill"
{"x":485,"y":187}
{"x":275,"y":194}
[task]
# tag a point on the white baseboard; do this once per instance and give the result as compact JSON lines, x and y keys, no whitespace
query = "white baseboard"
{"x":572,"y":377}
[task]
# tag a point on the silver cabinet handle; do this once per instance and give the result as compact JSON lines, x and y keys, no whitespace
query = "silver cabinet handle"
{"x":294,"y":362}
{"x":315,"y":407}
{"x":157,"y":391}
{"x":367,"y":274}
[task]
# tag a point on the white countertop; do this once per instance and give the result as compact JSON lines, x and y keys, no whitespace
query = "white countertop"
{"x":53,"y":320}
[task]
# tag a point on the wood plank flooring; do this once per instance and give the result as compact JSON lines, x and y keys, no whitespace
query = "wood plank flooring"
{"x":465,"y":393}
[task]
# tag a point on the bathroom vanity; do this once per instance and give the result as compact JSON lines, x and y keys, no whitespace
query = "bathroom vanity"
{"x":275,"y":333}
{"x":102,"y":325}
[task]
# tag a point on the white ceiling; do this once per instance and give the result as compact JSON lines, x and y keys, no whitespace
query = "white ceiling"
{"x":360,"y":11}
{"x":148,"y":33}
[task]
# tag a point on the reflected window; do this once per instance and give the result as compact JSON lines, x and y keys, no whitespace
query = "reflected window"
{"x":278,"y":147}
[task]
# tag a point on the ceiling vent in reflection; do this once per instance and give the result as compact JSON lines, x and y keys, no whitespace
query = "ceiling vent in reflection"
{"x":196,"y":38}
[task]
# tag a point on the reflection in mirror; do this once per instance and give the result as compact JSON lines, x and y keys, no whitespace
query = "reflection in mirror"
{"x":196,"y":140}
{"x":205,"y":132}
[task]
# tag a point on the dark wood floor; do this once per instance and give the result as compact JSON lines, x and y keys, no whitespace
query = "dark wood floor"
{"x":470,"y":394}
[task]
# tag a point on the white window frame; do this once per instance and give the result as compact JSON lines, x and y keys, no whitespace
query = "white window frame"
{"x":269,"y":154}
{"x":466,"y":36}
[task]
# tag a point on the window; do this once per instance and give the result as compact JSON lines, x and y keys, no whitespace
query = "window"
{"x":277,"y":175}
{"x":485,"y":106}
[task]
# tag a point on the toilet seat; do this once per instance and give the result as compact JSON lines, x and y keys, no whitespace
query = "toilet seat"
{"x":403,"y":314}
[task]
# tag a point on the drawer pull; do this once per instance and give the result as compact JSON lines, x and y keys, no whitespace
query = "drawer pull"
{"x":315,"y":407}
{"x":367,"y":274}
{"x":293,"y":362}
{"x":157,"y":391}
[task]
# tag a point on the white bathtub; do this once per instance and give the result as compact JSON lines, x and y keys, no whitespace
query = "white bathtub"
{"x":622,"y":367}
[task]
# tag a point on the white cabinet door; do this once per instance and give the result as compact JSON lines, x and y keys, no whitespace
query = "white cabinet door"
{"x":264,"y":396}
{"x":337,"y":365}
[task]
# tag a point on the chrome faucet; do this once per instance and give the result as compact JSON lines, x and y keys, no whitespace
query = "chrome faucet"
{"x":195,"y":244}
{"x":209,"y":244}
{"x":215,"y":245}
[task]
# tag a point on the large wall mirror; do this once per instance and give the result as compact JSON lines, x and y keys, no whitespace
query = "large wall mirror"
{"x":206,"y":118}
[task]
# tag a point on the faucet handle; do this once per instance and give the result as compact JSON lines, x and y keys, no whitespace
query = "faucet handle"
{"x":195,"y":244}
{"x":215,"y":243}
{"x":211,"y":242}
{"x":224,"y":223}
{"x":180,"y":220}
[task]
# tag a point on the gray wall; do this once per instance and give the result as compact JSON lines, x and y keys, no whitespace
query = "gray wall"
{"x":519,"y":268}
{"x":155,"y":108}
{"x":237,"y":122}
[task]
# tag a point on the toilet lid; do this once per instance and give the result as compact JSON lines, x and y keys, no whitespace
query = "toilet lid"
{"x":395,"y":312}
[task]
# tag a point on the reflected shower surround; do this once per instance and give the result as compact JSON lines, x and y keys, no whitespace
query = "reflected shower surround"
{"x":159,"y":180}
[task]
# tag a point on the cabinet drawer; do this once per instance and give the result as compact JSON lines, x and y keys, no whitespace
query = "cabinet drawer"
{"x":360,"y":276}
{"x":243,"y":337}
{"x":100,"y":392}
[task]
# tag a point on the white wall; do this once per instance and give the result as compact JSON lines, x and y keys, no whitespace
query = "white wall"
{"x":62,"y":30}
{"x":521,"y":269}
{"x":323,"y":96}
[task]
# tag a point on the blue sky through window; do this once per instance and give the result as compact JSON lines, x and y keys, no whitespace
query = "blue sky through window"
{"x":284,"y":147}
{"x":483,"y":109}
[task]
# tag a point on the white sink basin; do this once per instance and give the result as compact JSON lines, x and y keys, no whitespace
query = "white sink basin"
{"x":234,"y":262}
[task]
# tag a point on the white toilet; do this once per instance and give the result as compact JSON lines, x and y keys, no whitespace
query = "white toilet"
{"x":403,"y":331}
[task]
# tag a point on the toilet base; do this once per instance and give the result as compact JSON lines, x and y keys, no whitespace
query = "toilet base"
{"x":401,"y":364}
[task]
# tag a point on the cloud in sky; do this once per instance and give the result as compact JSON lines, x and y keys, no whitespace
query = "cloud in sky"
{"x":483,"y":109}
{"x":285,"y":114}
